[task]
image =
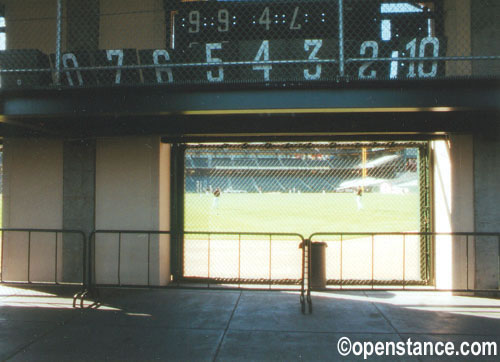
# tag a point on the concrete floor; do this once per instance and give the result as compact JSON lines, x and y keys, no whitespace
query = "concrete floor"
{"x":177,"y":324}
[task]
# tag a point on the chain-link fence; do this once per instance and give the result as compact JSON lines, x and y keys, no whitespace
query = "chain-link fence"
{"x":305,"y":189}
{"x":78,"y":43}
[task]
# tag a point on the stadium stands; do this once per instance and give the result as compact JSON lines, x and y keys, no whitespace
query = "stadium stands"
{"x":234,"y":171}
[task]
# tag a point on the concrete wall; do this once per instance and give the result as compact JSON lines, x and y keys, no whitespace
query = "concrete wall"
{"x":132,"y":24}
{"x":136,"y":24}
{"x":32,"y":198}
{"x":132,"y":192}
{"x":487,"y":207}
{"x":457,"y":26}
{"x":453,"y":211}
{"x":31,"y":24}
{"x":485,"y":15}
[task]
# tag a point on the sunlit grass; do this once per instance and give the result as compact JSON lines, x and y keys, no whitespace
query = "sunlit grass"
{"x":302,"y":213}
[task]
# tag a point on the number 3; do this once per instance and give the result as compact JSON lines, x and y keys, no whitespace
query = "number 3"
{"x":316,"y":43}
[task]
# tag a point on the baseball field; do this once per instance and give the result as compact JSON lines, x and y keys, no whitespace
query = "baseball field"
{"x":251,"y":256}
{"x":304,"y":213}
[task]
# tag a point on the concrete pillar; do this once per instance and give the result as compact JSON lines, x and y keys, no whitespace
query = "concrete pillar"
{"x":32,"y":198}
{"x":78,"y":202}
{"x":487,"y":207}
{"x":453,"y":211}
{"x":132,"y":193}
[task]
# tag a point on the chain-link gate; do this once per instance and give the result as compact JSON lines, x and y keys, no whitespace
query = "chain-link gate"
{"x":301,"y":188}
{"x":88,"y":43}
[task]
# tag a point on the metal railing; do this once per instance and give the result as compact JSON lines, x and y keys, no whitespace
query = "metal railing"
{"x":22,"y":273}
{"x":257,"y":266}
{"x":256,"y":258}
{"x":396,"y":272}
{"x":147,"y":244}
{"x":200,"y":265}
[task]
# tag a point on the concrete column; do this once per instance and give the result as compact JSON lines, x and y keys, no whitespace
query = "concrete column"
{"x":132,"y":193}
{"x":453,"y":212}
{"x":487,"y":207}
{"x":32,"y":198}
{"x":78,"y":202}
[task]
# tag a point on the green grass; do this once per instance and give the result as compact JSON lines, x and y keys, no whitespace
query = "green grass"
{"x":302,"y":213}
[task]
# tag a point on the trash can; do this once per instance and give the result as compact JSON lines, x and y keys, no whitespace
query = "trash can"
{"x":318,"y":265}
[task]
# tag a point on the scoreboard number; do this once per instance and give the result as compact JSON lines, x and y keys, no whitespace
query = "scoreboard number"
{"x":210,"y":59}
{"x":223,"y":17}
{"x":265,"y":18}
{"x":374,"y":46}
{"x":435,"y":53}
{"x":194,"y":19}
{"x":316,"y":43}
{"x":70,"y":57}
{"x":412,"y":47}
{"x":162,"y":53}
{"x":119,"y":54}
{"x":293,"y":25}
{"x":262,"y":55}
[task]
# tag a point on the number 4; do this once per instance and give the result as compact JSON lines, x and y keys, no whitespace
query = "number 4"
{"x":265,"y":19}
{"x":263,"y":54}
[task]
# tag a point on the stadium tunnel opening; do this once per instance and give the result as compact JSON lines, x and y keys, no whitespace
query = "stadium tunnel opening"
{"x":305,"y":188}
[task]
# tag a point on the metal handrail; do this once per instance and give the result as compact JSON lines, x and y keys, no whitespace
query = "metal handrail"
{"x":30,"y":231}
{"x":269,"y":235}
{"x":404,"y":235}
{"x":93,"y":292}
{"x":92,"y":273}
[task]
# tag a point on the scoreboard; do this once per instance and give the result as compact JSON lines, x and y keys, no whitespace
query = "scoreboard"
{"x":271,"y":41}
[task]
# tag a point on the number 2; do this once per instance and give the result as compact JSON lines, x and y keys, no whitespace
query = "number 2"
{"x":368,"y":44}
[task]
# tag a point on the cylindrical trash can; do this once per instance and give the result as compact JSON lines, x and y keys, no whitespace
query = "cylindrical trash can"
{"x":318,"y":265}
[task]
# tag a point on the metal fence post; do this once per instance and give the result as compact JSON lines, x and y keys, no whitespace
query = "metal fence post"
{"x":58,"y":42}
{"x":341,"y":38}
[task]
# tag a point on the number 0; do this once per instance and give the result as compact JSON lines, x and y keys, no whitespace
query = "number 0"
{"x":435,"y":53}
